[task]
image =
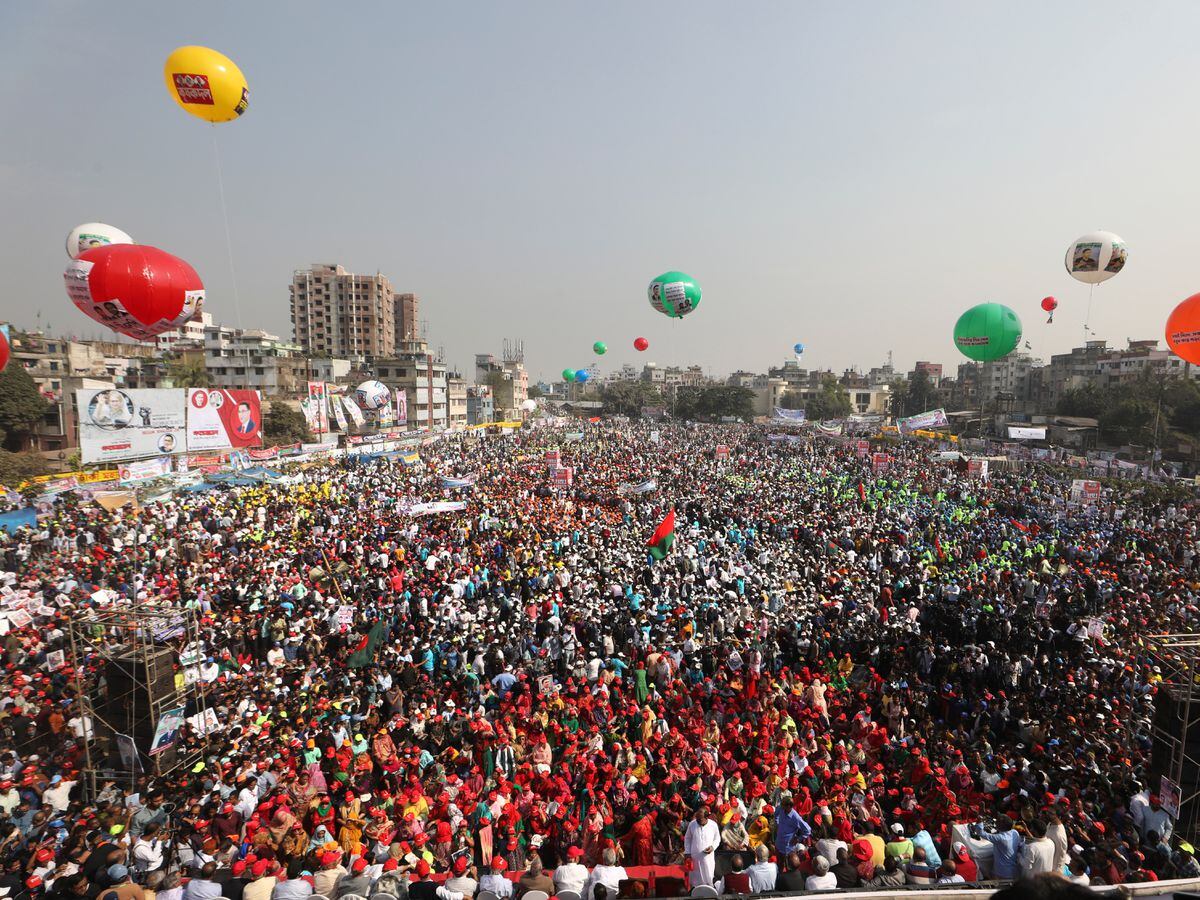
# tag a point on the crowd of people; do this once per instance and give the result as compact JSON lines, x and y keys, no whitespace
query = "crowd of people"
{"x":837,"y":676}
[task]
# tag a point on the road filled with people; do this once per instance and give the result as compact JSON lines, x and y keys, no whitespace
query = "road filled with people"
{"x":839,"y":674}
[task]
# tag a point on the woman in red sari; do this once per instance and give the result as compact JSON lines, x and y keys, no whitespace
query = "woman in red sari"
{"x":639,"y":841}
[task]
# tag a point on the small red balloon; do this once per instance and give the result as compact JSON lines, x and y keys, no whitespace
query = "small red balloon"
{"x":136,"y":290}
{"x":641,"y":344}
{"x":5,"y":351}
{"x":1049,"y":304}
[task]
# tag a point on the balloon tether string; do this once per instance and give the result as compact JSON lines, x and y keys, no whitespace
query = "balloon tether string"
{"x":237,"y":300}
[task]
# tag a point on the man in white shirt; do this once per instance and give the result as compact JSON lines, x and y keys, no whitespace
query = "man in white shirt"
{"x":571,"y":875}
{"x":1037,"y":855}
{"x":608,"y":873}
{"x":56,"y":795}
{"x":148,"y":850}
{"x":700,"y":842}
{"x":495,"y":880}
{"x":821,"y":879}
{"x":764,"y":872}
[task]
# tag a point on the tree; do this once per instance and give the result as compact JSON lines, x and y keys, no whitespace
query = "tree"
{"x":534,"y":392}
{"x":921,"y":395}
{"x":833,"y":401}
{"x":22,"y":407}
{"x":18,"y":467}
{"x":712,"y":403}
{"x":791,"y":401}
{"x":284,"y":425}
{"x":1088,"y":402}
{"x":188,"y":372}
{"x":898,"y":398}
{"x":626,"y":398}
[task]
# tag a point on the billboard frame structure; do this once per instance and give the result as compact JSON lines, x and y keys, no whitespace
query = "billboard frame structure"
{"x":130,"y":636}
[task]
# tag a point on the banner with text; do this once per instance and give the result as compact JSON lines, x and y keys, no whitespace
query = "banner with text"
{"x":316,"y":412}
{"x":934,"y":418}
{"x":119,"y":423}
{"x":1026,"y":434}
{"x":796,"y":416}
{"x":217,"y":419}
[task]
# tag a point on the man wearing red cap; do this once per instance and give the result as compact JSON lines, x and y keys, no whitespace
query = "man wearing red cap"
{"x":263,"y":881}
{"x":356,"y":881}
{"x":331,"y":872}
{"x":461,"y":880}
{"x":571,"y":875}
{"x":495,"y":879}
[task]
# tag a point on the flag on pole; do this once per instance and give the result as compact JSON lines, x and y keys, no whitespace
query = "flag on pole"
{"x":664,"y":536}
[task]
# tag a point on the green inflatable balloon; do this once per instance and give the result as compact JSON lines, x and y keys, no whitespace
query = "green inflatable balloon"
{"x":599,"y":348}
{"x":674,"y":294}
{"x":987,"y":331}
{"x":568,"y":374}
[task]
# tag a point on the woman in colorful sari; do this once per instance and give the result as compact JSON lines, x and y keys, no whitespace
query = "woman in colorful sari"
{"x":352,"y":819}
{"x":301,"y":794}
{"x":280,"y":825}
{"x":321,"y":814}
{"x":384,"y":749}
{"x":639,"y":841}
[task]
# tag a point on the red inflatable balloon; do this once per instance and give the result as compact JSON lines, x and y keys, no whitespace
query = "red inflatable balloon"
{"x":1183,"y":330}
{"x":641,"y":344}
{"x":1049,"y":304}
{"x":5,"y":351}
{"x":137,"y":290}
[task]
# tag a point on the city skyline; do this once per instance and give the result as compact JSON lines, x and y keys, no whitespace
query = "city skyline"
{"x":823,"y":178}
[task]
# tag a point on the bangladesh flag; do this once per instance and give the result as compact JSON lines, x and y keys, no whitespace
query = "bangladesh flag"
{"x":664,"y":537}
{"x":364,"y":653}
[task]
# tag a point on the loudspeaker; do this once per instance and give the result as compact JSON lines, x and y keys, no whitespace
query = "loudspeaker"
{"x":136,"y":685}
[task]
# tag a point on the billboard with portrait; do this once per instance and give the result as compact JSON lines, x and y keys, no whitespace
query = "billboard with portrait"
{"x":122,"y":423}
{"x":218,"y":418}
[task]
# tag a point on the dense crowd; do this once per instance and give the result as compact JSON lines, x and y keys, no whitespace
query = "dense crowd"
{"x":837,"y":677}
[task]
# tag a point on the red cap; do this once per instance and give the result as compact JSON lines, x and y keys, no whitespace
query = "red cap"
{"x":422,"y":868}
{"x":390,"y":865}
{"x":260,"y":868}
{"x":460,"y":865}
{"x":239,"y":867}
{"x":574,"y":852}
{"x":359,"y":864}
{"x":45,"y":855}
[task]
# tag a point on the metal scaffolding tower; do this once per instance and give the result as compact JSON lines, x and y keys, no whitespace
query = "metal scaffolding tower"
{"x":1175,"y":752}
{"x":126,"y":660}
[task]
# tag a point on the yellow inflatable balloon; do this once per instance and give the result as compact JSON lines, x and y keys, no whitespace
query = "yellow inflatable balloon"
{"x":207,"y":84}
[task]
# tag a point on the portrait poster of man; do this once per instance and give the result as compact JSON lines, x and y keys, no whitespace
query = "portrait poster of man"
{"x":1117,"y":261}
{"x":1086,"y":257}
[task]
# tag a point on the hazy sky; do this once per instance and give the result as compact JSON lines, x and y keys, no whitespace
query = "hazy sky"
{"x":849,"y":175}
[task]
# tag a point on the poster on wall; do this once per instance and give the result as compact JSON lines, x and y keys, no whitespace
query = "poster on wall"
{"x":401,"y":407}
{"x":217,"y":419}
{"x":120,"y":423}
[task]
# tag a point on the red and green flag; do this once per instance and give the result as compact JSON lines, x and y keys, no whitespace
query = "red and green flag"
{"x":664,"y":536}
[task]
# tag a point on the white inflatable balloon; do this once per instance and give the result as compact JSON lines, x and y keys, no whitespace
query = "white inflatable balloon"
{"x":373,"y":395}
{"x":529,"y":405}
{"x":94,"y":234}
{"x":1096,"y":257}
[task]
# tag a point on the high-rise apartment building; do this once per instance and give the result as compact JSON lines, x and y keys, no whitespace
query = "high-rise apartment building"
{"x":338,"y":313}
{"x":408,"y":307}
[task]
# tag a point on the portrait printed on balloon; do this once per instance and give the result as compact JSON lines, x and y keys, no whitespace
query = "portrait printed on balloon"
{"x":1086,"y":258}
{"x":677,"y":298}
{"x":1117,"y":261}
